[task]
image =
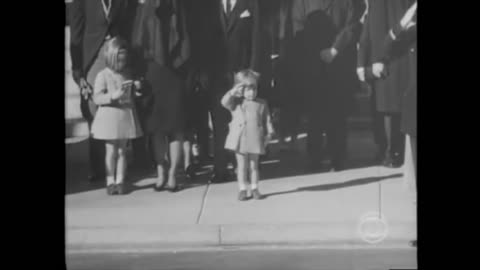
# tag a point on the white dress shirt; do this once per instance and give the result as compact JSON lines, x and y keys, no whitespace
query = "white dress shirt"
{"x":232,"y":4}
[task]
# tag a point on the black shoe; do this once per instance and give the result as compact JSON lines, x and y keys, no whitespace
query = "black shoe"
{"x":388,"y":161}
{"x":397,"y":160}
{"x":338,"y":166}
{"x":159,"y":188}
{"x":173,"y":189}
{"x":242,"y":195}
{"x":190,"y":171}
{"x":219,"y":178}
{"x":316,"y":167}
{"x":392,"y":161}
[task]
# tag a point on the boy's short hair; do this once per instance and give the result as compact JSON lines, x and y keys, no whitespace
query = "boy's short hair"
{"x":114,"y":47}
{"x":246,"y":73}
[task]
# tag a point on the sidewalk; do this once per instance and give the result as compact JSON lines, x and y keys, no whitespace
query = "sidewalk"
{"x":322,"y":209}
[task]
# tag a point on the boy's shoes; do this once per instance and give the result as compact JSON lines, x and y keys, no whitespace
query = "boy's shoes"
{"x":242,"y":195}
{"x":120,"y":188}
{"x":257,"y":195}
{"x":111,"y":189}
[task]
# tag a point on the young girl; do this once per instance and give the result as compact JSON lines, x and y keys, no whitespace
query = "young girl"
{"x":116,"y":120}
{"x":249,"y":131}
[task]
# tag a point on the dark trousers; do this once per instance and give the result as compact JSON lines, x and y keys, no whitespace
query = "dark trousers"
{"x":220,"y":119}
{"x":199,"y":107}
{"x":397,"y":144}
{"x":334,"y":125}
{"x":378,"y":125}
{"x":88,"y":109}
{"x":96,"y":147}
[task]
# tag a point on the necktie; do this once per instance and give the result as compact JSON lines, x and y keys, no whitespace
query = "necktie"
{"x":229,"y":8}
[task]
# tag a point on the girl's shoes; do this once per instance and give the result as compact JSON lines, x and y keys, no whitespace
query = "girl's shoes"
{"x":242,"y":195}
{"x":160,"y":187}
{"x":172,"y":189}
{"x":257,"y":195}
{"x":114,"y":189}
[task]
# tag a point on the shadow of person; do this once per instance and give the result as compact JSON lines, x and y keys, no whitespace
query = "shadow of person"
{"x":346,"y":184}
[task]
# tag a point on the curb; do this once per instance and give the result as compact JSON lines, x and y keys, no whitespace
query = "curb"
{"x":186,"y":237}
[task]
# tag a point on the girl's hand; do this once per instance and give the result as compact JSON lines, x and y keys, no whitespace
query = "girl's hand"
{"x":118,"y":94}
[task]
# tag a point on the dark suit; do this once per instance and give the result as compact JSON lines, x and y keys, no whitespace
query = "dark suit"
{"x":406,"y":39}
{"x":89,"y":28}
{"x":230,"y":44}
{"x":330,"y":87}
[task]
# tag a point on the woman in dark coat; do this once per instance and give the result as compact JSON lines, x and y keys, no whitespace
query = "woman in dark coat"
{"x":388,"y":88}
{"x":161,"y":40}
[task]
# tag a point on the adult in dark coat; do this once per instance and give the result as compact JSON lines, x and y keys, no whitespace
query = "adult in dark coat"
{"x":404,"y":36}
{"x":331,"y":29}
{"x":91,"y":24}
{"x":231,"y":43}
{"x":366,"y":77}
{"x":197,"y":102}
{"x":161,"y":39}
{"x":388,"y":88}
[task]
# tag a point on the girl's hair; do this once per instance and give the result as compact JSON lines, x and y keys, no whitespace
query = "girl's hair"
{"x":246,"y":74}
{"x":114,"y":47}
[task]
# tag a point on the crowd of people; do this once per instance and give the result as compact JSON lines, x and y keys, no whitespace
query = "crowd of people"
{"x":152,"y":73}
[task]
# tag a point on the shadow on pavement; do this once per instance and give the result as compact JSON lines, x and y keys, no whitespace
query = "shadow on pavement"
{"x":350,"y":183}
{"x":279,"y":163}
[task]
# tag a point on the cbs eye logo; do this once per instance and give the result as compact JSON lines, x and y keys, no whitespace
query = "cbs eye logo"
{"x":373,"y":228}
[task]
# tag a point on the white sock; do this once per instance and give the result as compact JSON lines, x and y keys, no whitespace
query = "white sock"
{"x":254,"y":186}
{"x":120,"y":179}
{"x":110,"y":180}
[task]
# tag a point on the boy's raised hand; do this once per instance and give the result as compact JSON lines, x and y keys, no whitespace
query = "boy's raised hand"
{"x":237,"y":90}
